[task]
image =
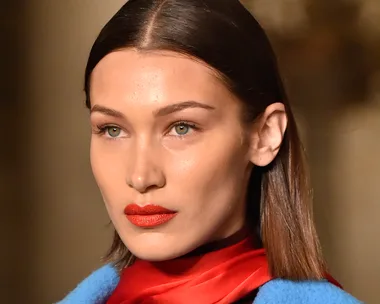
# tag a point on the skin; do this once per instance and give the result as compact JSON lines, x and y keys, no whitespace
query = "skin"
{"x":139,"y":155}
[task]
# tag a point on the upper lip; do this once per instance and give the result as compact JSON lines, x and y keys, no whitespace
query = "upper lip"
{"x":134,"y":209}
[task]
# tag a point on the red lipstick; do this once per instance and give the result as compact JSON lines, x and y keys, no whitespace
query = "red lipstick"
{"x":149,"y":215}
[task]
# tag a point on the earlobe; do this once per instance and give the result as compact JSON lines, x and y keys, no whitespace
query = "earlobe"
{"x":267,"y":135}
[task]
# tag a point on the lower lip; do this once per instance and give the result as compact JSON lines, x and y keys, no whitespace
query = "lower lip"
{"x":152,"y":220}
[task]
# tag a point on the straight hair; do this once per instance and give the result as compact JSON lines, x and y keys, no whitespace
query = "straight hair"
{"x":225,"y":36}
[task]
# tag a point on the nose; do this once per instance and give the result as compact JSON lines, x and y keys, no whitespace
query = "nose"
{"x":145,"y":169}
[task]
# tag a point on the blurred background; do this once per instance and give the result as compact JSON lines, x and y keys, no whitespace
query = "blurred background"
{"x":54,"y":228}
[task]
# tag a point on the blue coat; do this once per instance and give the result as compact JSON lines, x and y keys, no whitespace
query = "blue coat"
{"x":98,"y":287}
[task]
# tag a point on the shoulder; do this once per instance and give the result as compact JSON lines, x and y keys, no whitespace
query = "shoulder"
{"x":95,"y":288}
{"x":289,"y":292}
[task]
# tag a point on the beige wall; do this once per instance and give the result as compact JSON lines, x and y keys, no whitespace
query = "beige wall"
{"x":69,"y":224}
{"x":347,"y":194}
{"x":60,"y":229}
{"x":355,"y":202}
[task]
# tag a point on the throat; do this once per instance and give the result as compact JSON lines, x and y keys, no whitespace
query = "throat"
{"x":233,"y":239}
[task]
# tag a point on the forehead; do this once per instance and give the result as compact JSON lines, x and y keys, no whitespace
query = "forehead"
{"x":153,"y":76}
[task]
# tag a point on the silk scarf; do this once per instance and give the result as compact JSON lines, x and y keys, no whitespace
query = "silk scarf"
{"x":220,"y":276}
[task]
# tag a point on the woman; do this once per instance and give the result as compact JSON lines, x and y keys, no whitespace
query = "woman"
{"x":196,"y":154}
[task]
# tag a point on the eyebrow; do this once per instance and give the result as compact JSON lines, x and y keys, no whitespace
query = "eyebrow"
{"x":106,"y":111}
{"x":180,"y":107}
{"x":160,"y":112}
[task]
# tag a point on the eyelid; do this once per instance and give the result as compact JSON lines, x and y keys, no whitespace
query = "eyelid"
{"x":102,"y":129}
{"x":193,"y":126}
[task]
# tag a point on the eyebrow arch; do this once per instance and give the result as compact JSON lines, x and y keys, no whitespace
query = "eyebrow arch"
{"x":106,"y":111}
{"x":160,"y":112}
{"x":181,"y":106}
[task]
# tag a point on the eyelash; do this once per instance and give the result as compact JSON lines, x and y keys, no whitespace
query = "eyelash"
{"x":101,"y":129}
{"x":188,"y":124}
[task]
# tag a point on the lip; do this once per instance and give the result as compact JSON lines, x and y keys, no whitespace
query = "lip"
{"x":149,"y":215}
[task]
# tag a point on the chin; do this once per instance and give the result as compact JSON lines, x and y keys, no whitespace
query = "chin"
{"x":155,"y":256}
{"x":159,"y":249}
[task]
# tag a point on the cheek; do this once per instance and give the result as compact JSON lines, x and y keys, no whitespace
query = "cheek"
{"x":98,"y":161}
{"x":108,"y":171}
{"x":210,"y":174}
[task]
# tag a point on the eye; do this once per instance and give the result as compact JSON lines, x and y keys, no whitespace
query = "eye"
{"x":113,"y":131}
{"x":110,"y":132}
{"x":181,"y":129}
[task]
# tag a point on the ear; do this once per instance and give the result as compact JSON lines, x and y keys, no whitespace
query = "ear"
{"x":267,"y":135}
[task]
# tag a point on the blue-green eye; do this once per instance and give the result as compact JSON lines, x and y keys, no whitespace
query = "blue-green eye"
{"x":182,"y":129}
{"x":113,"y":131}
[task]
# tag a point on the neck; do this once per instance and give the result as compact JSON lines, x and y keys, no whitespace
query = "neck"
{"x":233,"y":239}
{"x":224,"y":269}
{"x":206,"y":256}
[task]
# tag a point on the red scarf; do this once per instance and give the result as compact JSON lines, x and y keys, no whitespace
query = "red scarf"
{"x":221,"y":276}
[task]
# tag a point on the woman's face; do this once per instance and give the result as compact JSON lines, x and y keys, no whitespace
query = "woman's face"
{"x":167,"y":133}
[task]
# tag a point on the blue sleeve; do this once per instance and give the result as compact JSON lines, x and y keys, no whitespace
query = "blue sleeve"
{"x":309,"y":292}
{"x":94,"y":289}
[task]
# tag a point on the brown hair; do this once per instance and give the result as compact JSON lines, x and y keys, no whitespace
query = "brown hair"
{"x":223,"y":34}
